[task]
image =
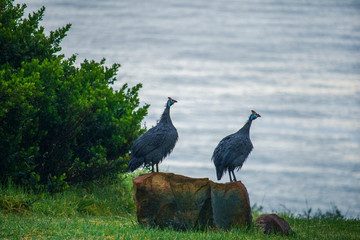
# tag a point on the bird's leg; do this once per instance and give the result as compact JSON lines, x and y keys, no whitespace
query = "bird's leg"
{"x":152,"y":167}
{"x":234,"y":175}
{"x":230,"y":176}
{"x":157,"y":167}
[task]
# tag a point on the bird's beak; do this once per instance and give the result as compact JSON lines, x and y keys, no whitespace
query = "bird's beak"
{"x":259,"y":115}
{"x":174,"y":100}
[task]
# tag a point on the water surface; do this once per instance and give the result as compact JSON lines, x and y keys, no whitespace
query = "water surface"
{"x":297,"y":63}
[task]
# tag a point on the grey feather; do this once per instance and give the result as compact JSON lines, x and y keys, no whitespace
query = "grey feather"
{"x":233,"y":150}
{"x":157,"y":143}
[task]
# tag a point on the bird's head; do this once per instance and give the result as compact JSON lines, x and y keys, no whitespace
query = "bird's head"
{"x":170,"y":101}
{"x":254,"y":115}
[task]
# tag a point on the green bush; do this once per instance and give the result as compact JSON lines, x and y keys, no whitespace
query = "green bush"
{"x":59,"y":123}
{"x":21,"y":39}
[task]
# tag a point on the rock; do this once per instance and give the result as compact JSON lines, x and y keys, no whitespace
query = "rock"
{"x":272,"y":223}
{"x":170,"y":200}
{"x":231,"y":205}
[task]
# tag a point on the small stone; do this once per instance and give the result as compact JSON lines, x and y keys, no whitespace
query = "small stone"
{"x":272,"y":223}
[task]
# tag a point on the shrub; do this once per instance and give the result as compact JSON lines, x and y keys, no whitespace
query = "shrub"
{"x":21,"y":39}
{"x":60,"y":123}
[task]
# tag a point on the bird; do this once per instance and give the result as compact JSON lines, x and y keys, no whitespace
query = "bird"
{"x":155,"y":144}
{"x":233,"y":150}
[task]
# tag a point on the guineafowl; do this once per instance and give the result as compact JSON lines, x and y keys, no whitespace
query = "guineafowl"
{"x":232,"y":151}
{"x":154,"y":145}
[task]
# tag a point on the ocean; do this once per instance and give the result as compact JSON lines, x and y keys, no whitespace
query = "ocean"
{"x":297,"y":63}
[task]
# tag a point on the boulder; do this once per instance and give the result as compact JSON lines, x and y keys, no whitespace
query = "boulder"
{"x":231,"y":205}
{"x":272,"y":223}
{"x":171,"y":200}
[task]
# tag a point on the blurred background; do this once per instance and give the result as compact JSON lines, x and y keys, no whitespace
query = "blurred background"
{"x":297,"y":63}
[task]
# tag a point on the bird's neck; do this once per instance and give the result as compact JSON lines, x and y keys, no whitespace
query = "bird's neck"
{"x":165,"y":117}
{"x":246,"y":127}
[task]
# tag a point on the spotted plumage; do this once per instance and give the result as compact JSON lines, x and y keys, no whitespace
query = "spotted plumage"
{"x":233,"y":150}
{"x":154,"y":145}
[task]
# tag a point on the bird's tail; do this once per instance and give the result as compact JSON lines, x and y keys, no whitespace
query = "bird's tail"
{"x":219,"y":172}
{"x":135,"y":163}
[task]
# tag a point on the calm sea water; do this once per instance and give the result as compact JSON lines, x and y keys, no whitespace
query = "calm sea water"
{"x":297,"y":63}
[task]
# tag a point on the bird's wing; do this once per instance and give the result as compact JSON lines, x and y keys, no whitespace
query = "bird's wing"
{"x":221,"y":148}
{"x":237,"y":151}
{"x":149,"y":141}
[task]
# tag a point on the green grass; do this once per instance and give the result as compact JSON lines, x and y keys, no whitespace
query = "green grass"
{"x":106,"y":210}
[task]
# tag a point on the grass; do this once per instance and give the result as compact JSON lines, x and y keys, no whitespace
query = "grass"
{"x":105,"y":210}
